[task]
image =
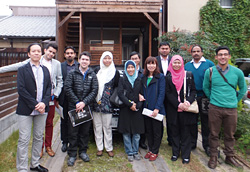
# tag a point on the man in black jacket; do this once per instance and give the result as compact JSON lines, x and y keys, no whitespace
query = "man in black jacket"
{"x":81,"y":87}
{"x":163,"y":62}
{"x":67,"y":66}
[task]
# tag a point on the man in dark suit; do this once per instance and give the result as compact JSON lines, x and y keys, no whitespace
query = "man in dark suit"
{"x":163,"y":61}
{"x":34,"y":89}
{"x":67,"y":66}
{"x":164,"y":58}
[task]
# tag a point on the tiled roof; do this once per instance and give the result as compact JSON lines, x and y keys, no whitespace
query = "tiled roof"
{"x":28,"y":26}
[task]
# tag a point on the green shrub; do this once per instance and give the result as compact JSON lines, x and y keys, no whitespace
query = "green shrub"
{"x":181,"y":42}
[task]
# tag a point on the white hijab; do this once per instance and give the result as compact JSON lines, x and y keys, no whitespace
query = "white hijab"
{"x":105,"y":74}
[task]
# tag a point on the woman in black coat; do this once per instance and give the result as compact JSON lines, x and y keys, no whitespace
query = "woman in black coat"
{"x":179,"y":119}
{"x":131,"y":123}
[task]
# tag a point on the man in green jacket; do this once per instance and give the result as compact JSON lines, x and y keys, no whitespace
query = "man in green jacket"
{"x":223,"y":104}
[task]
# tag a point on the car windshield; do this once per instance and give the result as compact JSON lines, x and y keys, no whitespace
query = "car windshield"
{"x":244,"y":65}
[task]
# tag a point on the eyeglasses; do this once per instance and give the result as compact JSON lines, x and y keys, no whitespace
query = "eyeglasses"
{"x":225,"y":54}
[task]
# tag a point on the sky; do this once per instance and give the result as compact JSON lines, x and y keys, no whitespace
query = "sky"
{"x":4,"y":4}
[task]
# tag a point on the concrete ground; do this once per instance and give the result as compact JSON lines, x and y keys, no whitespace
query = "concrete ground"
{"x":55,"y":164}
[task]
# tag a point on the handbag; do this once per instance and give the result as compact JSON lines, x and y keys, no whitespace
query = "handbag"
{"x":80,"y":117}
{"x":114,"y":98}
{"x":194,"y":106}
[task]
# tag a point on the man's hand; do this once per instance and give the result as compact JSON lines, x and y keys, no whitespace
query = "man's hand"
{"x":57,"y":104}
{"x":40,"y":107}
{"x":80,"y":106}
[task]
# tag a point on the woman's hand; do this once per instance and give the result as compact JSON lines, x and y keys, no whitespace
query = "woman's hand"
{"x":133,"y":107}
{"x":155,"y":112}
{"x":141,"y":98}
{"x":186,"y":105}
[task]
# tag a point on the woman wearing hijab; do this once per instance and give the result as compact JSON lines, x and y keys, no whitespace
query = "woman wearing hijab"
{"x":180,"y":120}
{"x":154,"y":92}
{"x":108,"y":78}
{"x":131,"y":122}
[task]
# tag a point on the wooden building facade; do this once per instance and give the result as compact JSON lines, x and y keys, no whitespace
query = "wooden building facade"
{"x":119,"y":26}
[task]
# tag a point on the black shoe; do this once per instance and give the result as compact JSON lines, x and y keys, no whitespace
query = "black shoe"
{"x":64,"y":147}
{"x":71,"y":161}
{"x":143,"y":146}
{"x":39,"y":168}
{"x":174,"y":158}
{"x":207,"y":151}
{"x":185,"y":161}
{"x":84,"y":157}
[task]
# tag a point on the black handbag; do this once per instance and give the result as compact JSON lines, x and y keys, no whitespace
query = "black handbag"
{"x":80,"y":117}
{"x":114,"y":98}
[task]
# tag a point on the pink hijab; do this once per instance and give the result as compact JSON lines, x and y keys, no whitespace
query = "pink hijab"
{"x":177,"y":75}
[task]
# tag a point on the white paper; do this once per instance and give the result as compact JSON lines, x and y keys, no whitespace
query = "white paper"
{"x":60,"y":111}
{"x":148,"y":113}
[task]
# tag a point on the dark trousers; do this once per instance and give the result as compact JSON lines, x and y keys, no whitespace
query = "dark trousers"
{"x":194,"y":133}
{"x":181,"y":139}
{"x":154,"y":133}
{"x":78,"y":138}
{"x":169,"y":137}
{"x":204,"y":123}
{"x":218,"y":116}
{"x":142,"y":138}
{"x":64,"y":122}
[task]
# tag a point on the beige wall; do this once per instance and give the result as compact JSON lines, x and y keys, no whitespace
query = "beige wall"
{"x":184,"y":14}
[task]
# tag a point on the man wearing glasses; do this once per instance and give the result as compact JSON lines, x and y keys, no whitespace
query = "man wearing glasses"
{"x":221,"y":91}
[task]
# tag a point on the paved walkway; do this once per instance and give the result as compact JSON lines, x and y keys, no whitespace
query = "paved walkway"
{"x":55,"y":164}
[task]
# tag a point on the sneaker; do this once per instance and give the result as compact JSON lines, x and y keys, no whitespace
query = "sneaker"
{"x":147,"y":156}
{"x":130,"y":158}
{"x":137,"y":157}
{"x":174,"y":158}
{"x":84,"y":156}
{"x":71,"y":161}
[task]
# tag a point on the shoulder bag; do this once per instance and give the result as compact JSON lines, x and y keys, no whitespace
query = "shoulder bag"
{"x":194,"y":106}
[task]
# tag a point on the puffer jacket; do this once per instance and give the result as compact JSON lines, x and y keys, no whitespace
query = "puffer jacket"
{"x":78,"y":89}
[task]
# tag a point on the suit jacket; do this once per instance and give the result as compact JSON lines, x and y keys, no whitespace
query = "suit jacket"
{"x":159,"y":62}
{"x":172,"y":101}
{"x":56,"y":74}
{"x":27,"y":90}
{"x":64,"y":75}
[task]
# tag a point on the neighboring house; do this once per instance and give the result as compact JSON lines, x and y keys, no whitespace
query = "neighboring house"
{"x":26,"y":25}
{"x":185,"y":15}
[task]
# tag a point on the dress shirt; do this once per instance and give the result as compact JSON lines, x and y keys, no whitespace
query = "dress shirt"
{"x":39,"y":77}
{"x":197,"y":65}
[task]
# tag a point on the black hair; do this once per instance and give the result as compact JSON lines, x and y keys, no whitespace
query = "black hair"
{"x":222,"y":48}
{"x":69,"y":47}
{"x":53,"y":45}
{"x":85,"y":53}
{"x":28,"y":49}
{"x":164,"y":43}
{"x":196,"y":45}
{"x":135,"y":53}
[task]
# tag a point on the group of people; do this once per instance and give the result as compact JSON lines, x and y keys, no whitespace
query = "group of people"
{"x":159,"y":87}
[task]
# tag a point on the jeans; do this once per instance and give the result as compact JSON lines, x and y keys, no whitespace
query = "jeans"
{"x":131,"y":143}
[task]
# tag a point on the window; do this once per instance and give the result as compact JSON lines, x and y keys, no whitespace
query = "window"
{"x":226,"y":3}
